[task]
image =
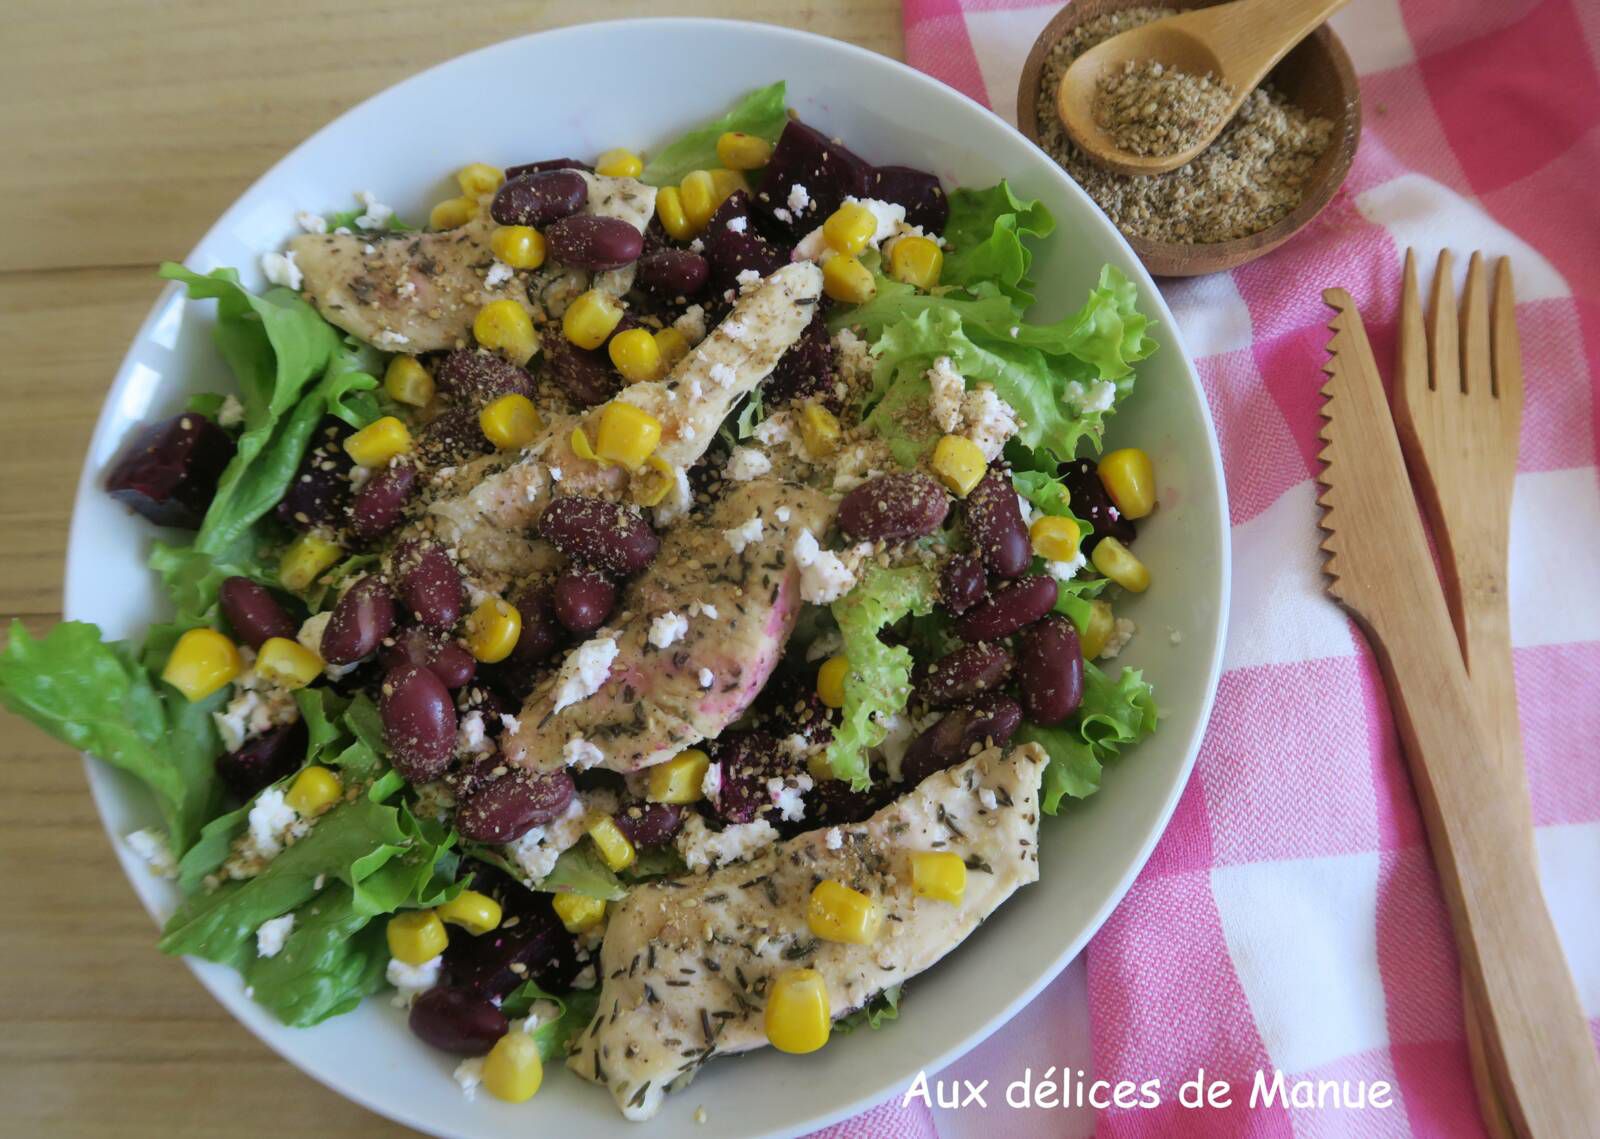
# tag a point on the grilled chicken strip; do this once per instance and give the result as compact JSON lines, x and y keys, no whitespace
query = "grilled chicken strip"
{"x":741,"y":608}
{"x":686,"y":963}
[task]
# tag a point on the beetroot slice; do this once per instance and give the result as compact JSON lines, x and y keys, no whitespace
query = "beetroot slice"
{"x":827,"y":172}
{"x":168,"y":473}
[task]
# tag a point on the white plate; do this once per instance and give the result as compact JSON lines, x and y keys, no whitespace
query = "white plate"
{"x":638,"y":83}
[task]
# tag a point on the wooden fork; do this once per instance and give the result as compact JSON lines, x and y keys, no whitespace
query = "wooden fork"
{"x":1458,"y":411}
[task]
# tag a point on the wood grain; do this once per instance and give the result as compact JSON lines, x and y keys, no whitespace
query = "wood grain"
{"x":127,"y":128}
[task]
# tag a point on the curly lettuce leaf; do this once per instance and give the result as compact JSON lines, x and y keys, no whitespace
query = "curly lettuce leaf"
{"x":1114,"y":714}
{"x":879,"y":1010}
{"x":763,"y":112}
{"x":100,"y":698}
{"x":879,"y":681}
{"x":985,"y":233}
{"x":577,"y":1010}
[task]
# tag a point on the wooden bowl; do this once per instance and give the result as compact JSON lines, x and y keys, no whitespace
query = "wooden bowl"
{"x":1316,"y":76}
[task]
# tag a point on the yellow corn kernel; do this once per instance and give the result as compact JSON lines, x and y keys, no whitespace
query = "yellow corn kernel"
{"x":626,"y":435}
{"x":739,"y":151}
{"x":958,"y":462}
{"x":850,"y":228}
{"x":818,"y":766}
{"x":830,"y":681}
{"x":656,"y":482}
{"x":916,"y":261}
{"x":838,"y":913}
{"x":305,"y":559}
{"x":636,"y":355}
{"x":669,"y":208}
{"x":479,"y":178}
{"x":581,"y":446}
{"x":698,"y":192}
{"x":493,"y":629}
{"x":287,"y":662}
{"x":1098,"y":631}
{"x":616,"y":850}
{"x":1054,"y":538}
{"x":416,"y":936}
{"x":202,"y":661}
{"x":679,"y":780}
{"x":408,"y":382}
{"x":578,"y":912}
{"x":726,"y":183}
{"x":313,"y":791}
{"x":452,"y":213}
{"x":512,"y":1071}
{"x":619,"y":163}
{"x":519,"y":246}
{"x":672,"y":345}
{"x":819,"y":430}
{"x":505,"y":326}
{"x":1118,"y":563}
{"x":378,"y":442}
{"x":510,"y":422}
{"x":1130,"y":480}
{"x":798,"y":1017}
{"x":848,"y":280}
{"x":590,"y":318}
{"x":474,"y":912}
{"x":939,"y":875}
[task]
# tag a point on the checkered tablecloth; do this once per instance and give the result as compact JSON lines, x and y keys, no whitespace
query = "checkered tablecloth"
{"x":1290,"y":919}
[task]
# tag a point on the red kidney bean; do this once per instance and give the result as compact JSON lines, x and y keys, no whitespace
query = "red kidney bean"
{"x":361,"y":619}
{"x":452,"y":437}
{"x":378,"y":503}
{"x":1009,"y":608}
{"x":473,"y":377}
{"x":546,"y":164}
{"x":539,"y":198}
{"x":453,"y":1020}
{"x":168,"y":472}
{"x":602,"y":534}
{"x":584,"y":241}
{"x":508,"y":807}
{"x":893,"y":508}
{"x":1093,"y":504}
{"x":587,"y":376}
{"x":419,"y":722}
{"x":1051,"y":673}
{"x":253,"y":613}
{"x":962,"y":583}
{"x":994,"y":523}
{"x":263,"y":760}
{"x":990,"y":719}
{"x":542,"y":632}
{"x":649,"y":824}
{"x":430,"y":583}
{"x":672,"y":273}
{"x":963,"y":674}
{"x":321,"y":486}
{"x":453,"y":665}
{"x":583,"y":599}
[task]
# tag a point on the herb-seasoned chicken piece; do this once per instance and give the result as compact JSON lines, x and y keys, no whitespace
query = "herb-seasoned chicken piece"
{"x":686,"y":963}
{"x":740,"y":605}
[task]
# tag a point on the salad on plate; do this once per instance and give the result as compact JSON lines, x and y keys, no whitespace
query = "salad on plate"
{"x":639,"y":615}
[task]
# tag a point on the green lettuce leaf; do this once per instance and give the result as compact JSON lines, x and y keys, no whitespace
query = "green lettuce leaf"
{"x":335,"y":955}
{"x":577,"y":1010}
{"x":1073,"y":598}
{"x":762,"y":112}
{"x":98,"y":697}
{"x":879,"y":681}
{"x":1114,"y":714}
{"x":985,"y":232}
{"x":879,"y":1010}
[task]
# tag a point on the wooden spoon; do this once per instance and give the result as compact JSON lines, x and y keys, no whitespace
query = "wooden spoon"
{"x":1238,"y":42}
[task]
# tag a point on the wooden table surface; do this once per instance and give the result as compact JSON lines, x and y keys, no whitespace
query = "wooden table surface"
{"x":126,"y":128}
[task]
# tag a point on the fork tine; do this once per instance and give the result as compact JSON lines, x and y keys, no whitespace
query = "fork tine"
{"x":1414,"y":376}
{"x":1476,"y":374}
{"x":1444,"y":358}
{"x":1507,"y":348}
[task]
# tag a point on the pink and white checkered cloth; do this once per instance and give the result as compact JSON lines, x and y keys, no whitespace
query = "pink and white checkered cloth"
{"x":1290,"y":919}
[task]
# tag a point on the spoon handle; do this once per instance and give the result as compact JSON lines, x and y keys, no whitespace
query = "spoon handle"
{"x":1253,"y":35}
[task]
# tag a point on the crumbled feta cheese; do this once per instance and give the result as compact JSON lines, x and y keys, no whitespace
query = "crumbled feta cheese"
{"x":783,"y":214}
{"x":890,"y":216}
{"x":1098,"y":396}
{"x":154,"y":850}
{"x":812,"y":247}
{"x":343,"y":231}
{"x":723,"y":375}
{"x":1066,"y":571}
{"x":698,"y":245}
{"x":388,"y":338}
{"x":743,"y":535}
{"x":707,"y":678}
{"x":270,"y":935}
{"x":782,"y":514}
{"x":747,"y":279}
{"x":854,"y":358}
{"x":899,"y":732}
{"x":702,"y":848}
{"x":472,"y":737}
{"x":585,"y":670}
{"x":231,"y":413}
{"x":824,"y":577}
{"x":321,"y":880}
{"x":989,"y":420}
{"x":499,"y":273}
{"x":746,"y":463}
{"x":701,"y":609}
{"x":946,"y":389}
{"x":788,"y":795}
{"x":586,"y":978}
{"x":738,"y":224}
{"x":270,"y":823}
{"x":555,"y":474}
{"x":1121,"y":633}
{"x":581,"y":754}
{"x":668,"y":629}
{"x":469,"y":1074}
{"x":833,"y":839}
{"x":711,"y":783}
{"x":310,"y":222}
{"x":280,"y":269}
{"x":411,"y":981}
{"x":375,"y":215}
{"x":799,"y":199}
{"x":987,"y":798}
{"x":692,"y":323}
